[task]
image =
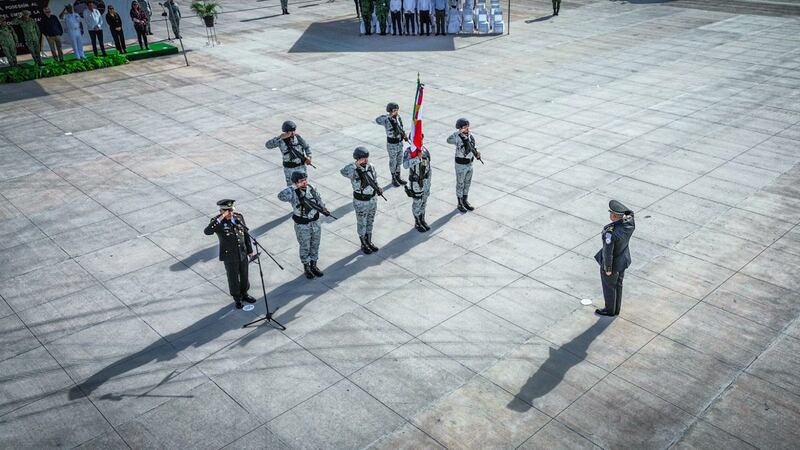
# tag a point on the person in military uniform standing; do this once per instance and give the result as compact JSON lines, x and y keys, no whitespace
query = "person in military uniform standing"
{"x":382,"y":11}
{"x":174,"y":16}
{"x":8,"y":42}
{"x":395,"y":135}
{"x":556,"y":7}
{"x":615,"y":256}
{"x":296,"y":151}
{"x":466,"y":152}
{"x":32,"y":35}
{"x":364,"y":179}
{"x":235,"y":249}
{"x":419,"y":184}
{"x":307,"y":205}
{"x":285,"y":6}
{"x":366,"y":15}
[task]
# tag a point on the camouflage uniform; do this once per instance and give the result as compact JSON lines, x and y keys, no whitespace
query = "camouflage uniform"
{"x":366,"y":15}
{"x":382,"y":11}
{"x":8,"y":43}
{"x":464,"y":158}
{"x":33,"y":38}
{"x":306,"y":226}
{"x":364,"y":201}
{"x":291,"y":163}
{"x":419,"y":184}
{"x":394,"y":141}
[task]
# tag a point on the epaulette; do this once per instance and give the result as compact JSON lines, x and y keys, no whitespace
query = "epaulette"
{"x":609,"y":228}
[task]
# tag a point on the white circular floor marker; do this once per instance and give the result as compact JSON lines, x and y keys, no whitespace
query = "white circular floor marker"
{"x":586,"y":302}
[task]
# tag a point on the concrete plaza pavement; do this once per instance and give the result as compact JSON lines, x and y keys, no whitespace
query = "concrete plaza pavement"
{"x":116,"y":330}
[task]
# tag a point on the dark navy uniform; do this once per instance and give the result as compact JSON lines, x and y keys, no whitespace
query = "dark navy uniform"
{"x":234,"y":248}
{"x":615,"y":256}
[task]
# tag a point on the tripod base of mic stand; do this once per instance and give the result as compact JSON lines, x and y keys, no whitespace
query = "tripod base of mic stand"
{"x":268,"y":319}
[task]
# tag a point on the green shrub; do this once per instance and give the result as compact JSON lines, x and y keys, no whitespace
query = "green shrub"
{"x":27,"y":72}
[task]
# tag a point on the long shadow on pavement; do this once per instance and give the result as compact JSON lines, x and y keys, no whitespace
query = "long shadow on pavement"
{"x":551,"y":373}
{"x":217,"y":323}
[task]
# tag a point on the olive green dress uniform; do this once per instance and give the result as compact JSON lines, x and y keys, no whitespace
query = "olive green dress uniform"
{"x":615,"y":257}
{"x":366,"y":15}
{"x":382,"y":11}
{"x":234,"y":248}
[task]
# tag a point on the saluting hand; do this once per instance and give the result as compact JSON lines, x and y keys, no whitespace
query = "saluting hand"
{"x":286,"y":135}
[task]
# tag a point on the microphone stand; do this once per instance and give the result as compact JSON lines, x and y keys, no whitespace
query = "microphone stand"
{"x":268,"y":317}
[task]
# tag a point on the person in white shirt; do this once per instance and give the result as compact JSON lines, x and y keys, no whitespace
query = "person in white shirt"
{"x":74,"y":28}
{"x":396,"y":9}
{"x":94,"y":23}
{"x":410,"y":7}
{"x":424,"y":7}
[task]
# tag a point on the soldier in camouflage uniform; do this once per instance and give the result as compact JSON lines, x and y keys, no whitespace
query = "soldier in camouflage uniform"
{"x":365,"y":187}
{"x":395,"y":135}
{"x":296,"y":151}
{"x":382,"y":10}
{"x":419,"y":184}
{"x":8,"y":42}
{"x":366,"y":15}
{"x":465,"y":153}
{"x":306,"y":206}
{"x":33,"y":37}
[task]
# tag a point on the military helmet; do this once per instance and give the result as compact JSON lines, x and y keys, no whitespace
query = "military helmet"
{"x":392,"y":106}
{"x":297,"y":176}
{"x":360,"y":152}
{"x":461,"y":123}
{"x":288,"y":126}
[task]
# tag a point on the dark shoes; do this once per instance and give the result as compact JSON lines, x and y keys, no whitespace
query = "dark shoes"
{"x":466,"y":203}
{"x":249,"y":299}
{"x":603,"y":312}
{"x":314,"y":269}
{"x":400,"y":180}
{"x":461,"y":206}
{"x":418,"y":224}
{"x":238,"y":303}
{"x":422,"y":221}
{"x":372,"y":246}
{"x":307,"y":271}
{"x":365,"y":246}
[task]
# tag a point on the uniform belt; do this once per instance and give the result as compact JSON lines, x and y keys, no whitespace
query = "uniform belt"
{"x":363,"y":197}
{"x":304,"y":220}
{"x":393,"y":140}
{"x":463,"y":160}
{"x":291,"y":165}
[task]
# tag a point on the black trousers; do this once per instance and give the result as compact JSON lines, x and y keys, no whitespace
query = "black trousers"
{"x":358,"y":8}
{"x":612,"y":290}
{"x":238,"y":277}
{"x":141,"y":36}
{"x":425,"y":22}
{"x":410,"y":19}
{"x":119,"y":40}
{"x":97,"y":35}
{"x":397,"y":23}
{"x":440,"y":27}
{"x":556,"y":6}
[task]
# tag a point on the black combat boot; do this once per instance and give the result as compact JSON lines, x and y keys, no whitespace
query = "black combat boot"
{"x":314,"y":269}
{"x":364,"y":246}
{"x":466,"y":203}
{"x":372,"y":246}
{"x":422,"y":221}
{"x":307,"y":271}
{"x":418,"y":224}
{"x":395,"y":181}
{"x":400,"y":180}
{"x":461,"y":206}
{"x":237,"y":302}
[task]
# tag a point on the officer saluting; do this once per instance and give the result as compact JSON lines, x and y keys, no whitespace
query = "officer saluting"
{"x":615,"y":256}
{"x":365,"y":186}
{"x":395,"y":135}
{"x":296,"y":151}
{"x":465,"y":153}
{"x":306,"y":206}
{"x":234,"y":249}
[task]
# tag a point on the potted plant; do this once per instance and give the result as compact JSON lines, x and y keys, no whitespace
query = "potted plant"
{"x":207,"y":10}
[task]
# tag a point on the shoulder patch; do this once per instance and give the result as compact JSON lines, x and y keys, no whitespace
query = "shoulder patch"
{"x":608,"y":238}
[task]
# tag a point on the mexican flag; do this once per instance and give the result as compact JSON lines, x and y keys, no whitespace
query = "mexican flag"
{"x":416,"y":120}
